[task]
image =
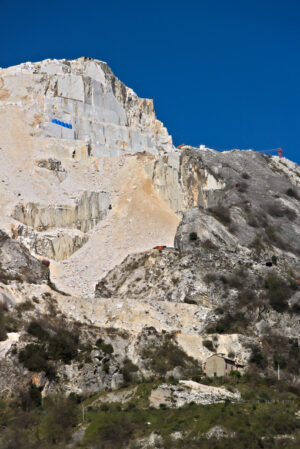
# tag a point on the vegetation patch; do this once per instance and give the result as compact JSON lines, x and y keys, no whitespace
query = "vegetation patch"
{"x":54,"y":345}
{"x":221,"y":213}
{"x":105,"y":347}
{"x":278,"y":210}
{"x":166,"y":357}
{"x":278,"y":291}
{"x":193,"y":236}
{"x":292,"y":193}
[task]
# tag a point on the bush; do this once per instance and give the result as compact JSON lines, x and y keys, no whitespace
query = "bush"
{"x":58,"y":421}
{"x":167,"y":357}
{"x":105,"y":368}
{"x":34,"y":357}
{"x":229,"y":323}
{"x":209,"y":245}
{"x":278,"y":291}
{"x":128,"y":370}
{"x":209,"y":345}
{"x":105,"y":347}
{"x":3,"y":335}
{"x":193,"y":236}
{"x":292,"y":193}
{"x":277,"y":210}
{"x":24,"y":307}
{"x":113,"y":431}
{"x":189,"y":301}
{"x":63,"y":346}
{"x":243,"y":186}
{"x":258,"y":358}
{"x":35,"y":395}
{"x":257,"y":219}
{"x":37,"y":330}
{"x":274,"y":239}
{"x":211,"y":277}
{"x":221,"y":213}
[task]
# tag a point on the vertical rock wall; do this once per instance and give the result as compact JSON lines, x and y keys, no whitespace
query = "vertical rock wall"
{"x":85,"y":94}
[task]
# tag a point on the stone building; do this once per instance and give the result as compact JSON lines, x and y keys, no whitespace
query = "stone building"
{"x":217,"y":365}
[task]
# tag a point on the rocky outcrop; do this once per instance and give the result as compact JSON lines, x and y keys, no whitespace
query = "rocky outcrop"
{"x":46,"y":232}
{"x":17,"y":264}
{"x":256,"y":203}
{"x":56,"y":245}
{"x":88,"y":211}
{"x":54,"y":166}
{"x":188,"y":391}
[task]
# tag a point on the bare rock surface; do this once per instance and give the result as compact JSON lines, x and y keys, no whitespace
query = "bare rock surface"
{"x":17,"y":264}
{"x":188,"y":391}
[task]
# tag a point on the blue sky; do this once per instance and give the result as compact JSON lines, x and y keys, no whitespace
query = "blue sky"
{"x":224,"y":73}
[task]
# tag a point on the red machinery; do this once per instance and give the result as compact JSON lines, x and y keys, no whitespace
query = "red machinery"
{"x":279,"y":151}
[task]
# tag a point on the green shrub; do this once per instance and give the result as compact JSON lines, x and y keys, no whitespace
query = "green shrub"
{"x":129,"y":370}
{"x":99,"y":341}
{"x":188,"y":300}
{"x":243,"y":187}
{"x":209,"y":345}
{"x":37,"y":330}
{"x":274,"y":238}
{"x":35,"y":395}
{"x":278,"y":291}
{"x":3,"y":335}
{"x":211,"y":277}
{"x":274,"y":260}
{"x":105,"y":347}
{"x":34,"y":357}
{"x":257,"y":245}
{"x":292,"y":193}
{"x":58,"y":421}
{"x":295,"y":308}
{"x":229,"y":323}
{"x":209,"y":245}
{"x":63,"y":346}
{"x":113,"y":431}
{"x":193,"y":236}
{"x":167,"y":357}
{"x":105,"y":368}
{"x":221,"y":213}
{"x":24,"y":307}
{"x":277,"y":210}
{"x":258,"y":358}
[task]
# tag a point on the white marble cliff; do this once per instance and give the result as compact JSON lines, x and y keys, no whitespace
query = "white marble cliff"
{"x":87,"y":96}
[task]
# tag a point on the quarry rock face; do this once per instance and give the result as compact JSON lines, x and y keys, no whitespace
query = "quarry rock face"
{"x":89,"y":103}
{"x":18,"y":264}
{"x":90,"y":180}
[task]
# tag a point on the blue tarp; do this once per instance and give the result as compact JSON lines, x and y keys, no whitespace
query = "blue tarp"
{"x":65,"y":125}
